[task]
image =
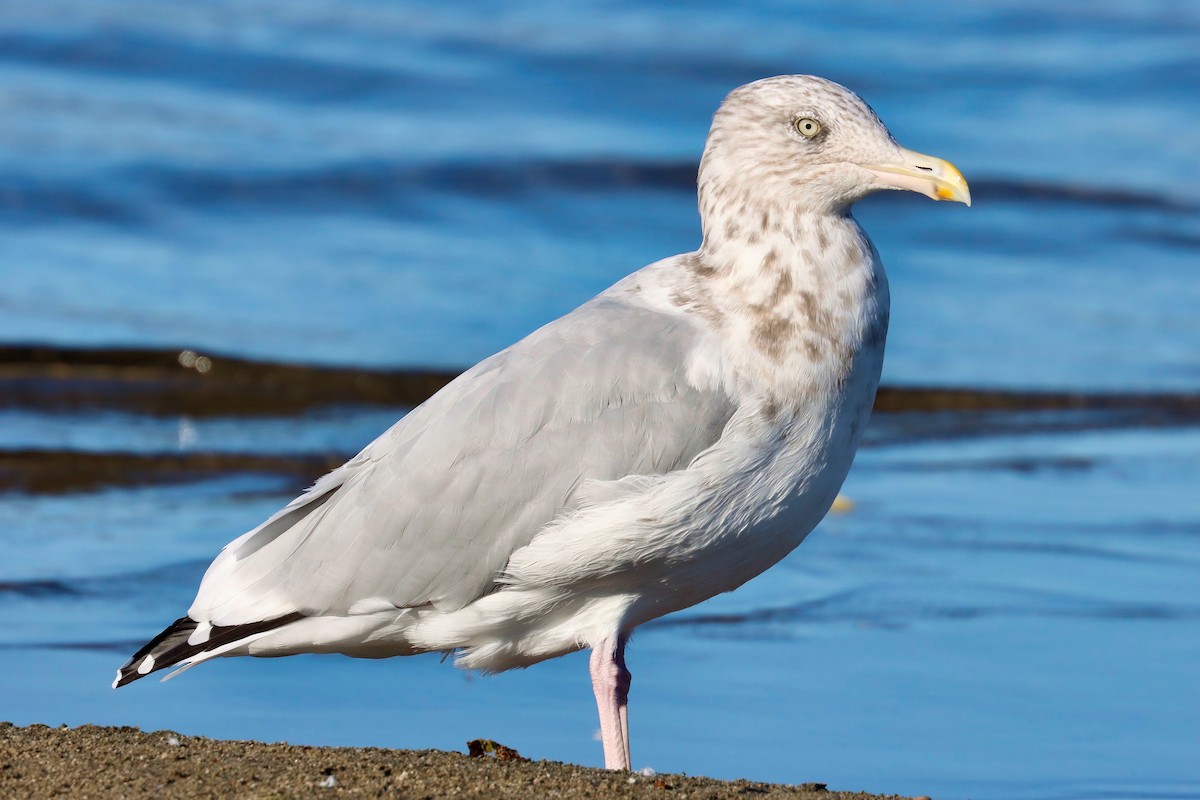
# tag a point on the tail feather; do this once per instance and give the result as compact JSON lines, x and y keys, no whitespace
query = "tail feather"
{"x":175,"y":644}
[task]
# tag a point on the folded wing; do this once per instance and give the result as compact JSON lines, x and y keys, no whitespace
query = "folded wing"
{"x":429,"y":513}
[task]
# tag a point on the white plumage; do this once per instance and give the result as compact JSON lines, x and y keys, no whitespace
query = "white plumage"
{"x":665,"y":442}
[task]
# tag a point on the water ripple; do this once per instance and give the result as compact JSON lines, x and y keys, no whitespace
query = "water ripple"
{"x":188,"y":62}
{"x":401,"y":188}
{"x":886,"y":606}
{"x":90,"y":587}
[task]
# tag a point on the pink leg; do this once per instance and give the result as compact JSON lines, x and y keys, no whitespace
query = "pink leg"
{"x":610,"y":681}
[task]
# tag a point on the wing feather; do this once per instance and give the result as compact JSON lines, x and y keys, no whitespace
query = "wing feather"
{"x":431,"y":511}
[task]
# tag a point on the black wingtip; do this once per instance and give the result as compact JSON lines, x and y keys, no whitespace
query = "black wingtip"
{"x":172,"y":646}
{"x":170,"y":639}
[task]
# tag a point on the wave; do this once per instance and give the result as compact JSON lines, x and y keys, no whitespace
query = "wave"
{"x":47,"y":378}
{"x":32,"y":471}
{"x":1023,"y":465}
{"x":122,"y":584}
{"x":175,"y":381}
{"x":134,"y":194}
{"x":882,"y":607}
{"x":63,"y":471}
{"x":188,"y":62}
{"x":124,"y":647}
{"x":38,"y":588}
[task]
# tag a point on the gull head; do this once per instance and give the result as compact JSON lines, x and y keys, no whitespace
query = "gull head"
{"x":806,"y":144}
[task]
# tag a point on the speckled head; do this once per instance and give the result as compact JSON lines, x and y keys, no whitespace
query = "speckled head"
{"x":806,"y":144}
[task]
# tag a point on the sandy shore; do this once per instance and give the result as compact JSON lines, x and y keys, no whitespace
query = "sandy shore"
{"x":95,"y":762}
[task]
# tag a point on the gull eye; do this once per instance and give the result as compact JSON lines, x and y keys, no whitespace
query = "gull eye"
{"x":807,"y":127}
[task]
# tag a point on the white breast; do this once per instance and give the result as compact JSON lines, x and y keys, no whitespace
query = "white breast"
{"x":804,"y":397}
{"x":801,"y":351}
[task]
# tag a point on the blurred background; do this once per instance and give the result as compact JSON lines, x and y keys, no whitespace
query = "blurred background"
{"x":1011,"y":609}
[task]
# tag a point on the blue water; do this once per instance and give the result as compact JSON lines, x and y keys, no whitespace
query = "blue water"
{"x":371,"y":183}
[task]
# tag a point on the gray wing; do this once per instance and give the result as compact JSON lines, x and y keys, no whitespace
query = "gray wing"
{"x":430,"y":512}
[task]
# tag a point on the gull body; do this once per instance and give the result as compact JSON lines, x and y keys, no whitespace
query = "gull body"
{"x":667,"y":441}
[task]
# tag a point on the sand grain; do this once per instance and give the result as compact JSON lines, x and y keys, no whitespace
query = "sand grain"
{"x":95,"y":762}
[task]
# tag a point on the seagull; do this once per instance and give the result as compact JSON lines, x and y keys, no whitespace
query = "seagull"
{"x":665,"y":442}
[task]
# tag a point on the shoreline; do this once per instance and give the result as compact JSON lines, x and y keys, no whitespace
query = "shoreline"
{"x":91,"y":761}
{"x":176,"y":381}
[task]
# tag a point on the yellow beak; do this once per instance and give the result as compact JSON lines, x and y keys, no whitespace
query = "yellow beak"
{"x":930,"y":176}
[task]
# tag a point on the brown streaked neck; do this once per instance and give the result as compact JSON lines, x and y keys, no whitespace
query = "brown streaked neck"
{"x":774,"y":239}
{"x":800,"y":296}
